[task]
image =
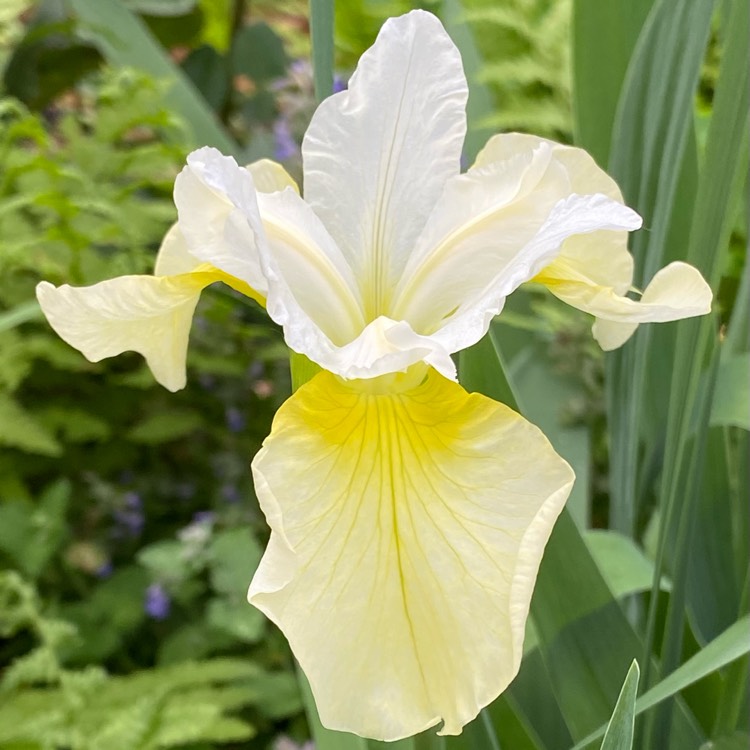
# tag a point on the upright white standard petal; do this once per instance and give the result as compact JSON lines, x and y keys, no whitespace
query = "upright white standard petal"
{"x":311,"y":289}
{"x":376,"y":156}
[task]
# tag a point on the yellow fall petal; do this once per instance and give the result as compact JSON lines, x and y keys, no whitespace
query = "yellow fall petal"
{"x":147,"y":314}
{"x":676,"y":291}
{"x":407,"y":530}
{"x":151,"y":315}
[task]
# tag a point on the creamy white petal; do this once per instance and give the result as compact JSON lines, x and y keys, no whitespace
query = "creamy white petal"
{"x":407,"y":531}
{"x":493,"y":229}
{"x":310,"y":285}
{"x":146,"y":314}
{"x":219,"y":217}
{"x":602,"y":257}
{"x":386,"y":346}
{"x":586,"y":176}
{"x":376,"y":156}
{"x":174,"y":257}
{"x":677,"y":291}
{"x":610,"y":334}
{"x":478,"y":230}
{"x":269,"y":176}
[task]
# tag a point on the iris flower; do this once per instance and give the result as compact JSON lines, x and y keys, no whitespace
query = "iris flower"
{"x":408,"y":517}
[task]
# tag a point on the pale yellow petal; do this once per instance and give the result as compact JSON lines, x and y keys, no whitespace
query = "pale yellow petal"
{"x":146,"y":314}
{"x":594,"y":272}
{"x":602,"y":257}
{"x":610,"y":334}
{"x":677,"y":291}
{"x":495,"y":227}
{"x":174,"y":257}
{"x":270,"y":177}
{"x":407,"y":531}
{"x":585,"y":174}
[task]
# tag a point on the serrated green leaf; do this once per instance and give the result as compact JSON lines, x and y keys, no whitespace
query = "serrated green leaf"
{"x":237,"y":618}
{"x":20,"y":429}
{"x":234,"y":556}
{"x":124,"y":41}
{"x":76,"y":425}
{"x":165,"y":560}
{"x":31,"y":534}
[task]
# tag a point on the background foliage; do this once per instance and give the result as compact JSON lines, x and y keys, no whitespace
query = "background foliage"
{"x":128,"y":525}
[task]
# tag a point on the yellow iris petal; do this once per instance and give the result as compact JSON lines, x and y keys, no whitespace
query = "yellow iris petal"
{"x":407,"y":530}
{"x":676,"y":291}
{"x":151,"y":315}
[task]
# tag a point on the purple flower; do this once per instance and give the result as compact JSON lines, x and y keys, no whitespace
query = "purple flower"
{"x":235,"y":419}
{"x":129,"y":522}
{"x":104,"y":570}
{"x":204,"y":517}
{"x":132,"y":501}
{"x":256,"y":370}
{"x":157,"y":602}
{"x":207,"y":381}
{"x":339,"y":84}
{"x":129,"y":518}
{"x":229,"y":493}
{"x":286,"y":146}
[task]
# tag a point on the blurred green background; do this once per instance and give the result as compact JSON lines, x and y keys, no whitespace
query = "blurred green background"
{"x":129,"y":529}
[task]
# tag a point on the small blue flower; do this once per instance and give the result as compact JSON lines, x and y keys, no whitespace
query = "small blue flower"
{"x":207,"y":381}
{"x":105,"y":570}
{"x":132,"y":501}
{"x":157,"y":602}
{"x":204,"y":517}
{"x":129,"y":517}
{"x":230,"y":494}
{"x":286,"y":146}
{"x":235,"y":419}
{"x":339,"y":84}
{"x":256,"y":370}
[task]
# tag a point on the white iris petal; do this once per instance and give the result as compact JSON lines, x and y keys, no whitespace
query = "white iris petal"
{"x":393,"y":257}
